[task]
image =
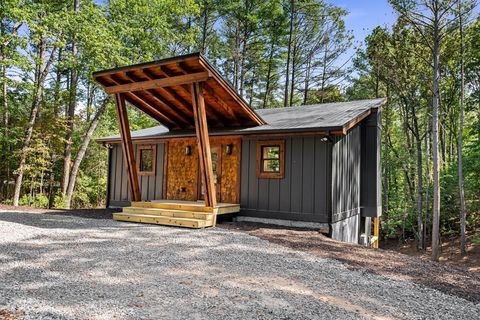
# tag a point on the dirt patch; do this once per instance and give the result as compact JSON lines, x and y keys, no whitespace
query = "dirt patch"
{"x":449,"y":279}
{"x":8,"y":315}
{"x":450,"y":252}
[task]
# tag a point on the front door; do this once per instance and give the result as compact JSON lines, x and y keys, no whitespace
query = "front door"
{"x":216,"y":151}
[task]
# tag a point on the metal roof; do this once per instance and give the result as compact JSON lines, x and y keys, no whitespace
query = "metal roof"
{"x":339,"y":116}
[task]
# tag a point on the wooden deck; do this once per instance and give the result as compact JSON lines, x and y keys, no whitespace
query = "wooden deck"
{"x":189,"y":214}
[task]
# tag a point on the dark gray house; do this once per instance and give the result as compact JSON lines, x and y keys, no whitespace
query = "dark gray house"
{"x":312,"y":166}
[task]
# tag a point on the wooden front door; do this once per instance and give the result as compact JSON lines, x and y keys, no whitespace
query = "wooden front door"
{"x":216,"y":151}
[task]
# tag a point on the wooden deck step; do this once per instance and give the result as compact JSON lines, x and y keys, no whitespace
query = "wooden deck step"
{"x":188,"y":206}
{"x":190,"y":214}
{"x":163,"y":220}
{"x":169,"y":213}
{"x":221,"y":208}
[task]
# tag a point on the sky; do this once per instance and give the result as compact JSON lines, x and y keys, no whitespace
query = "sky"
{"x":363,"y":16}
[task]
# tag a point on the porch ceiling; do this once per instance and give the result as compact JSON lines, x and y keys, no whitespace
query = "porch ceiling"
{"x":162,"y":89}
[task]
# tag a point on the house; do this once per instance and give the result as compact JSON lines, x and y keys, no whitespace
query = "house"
{"x":311,"y":166}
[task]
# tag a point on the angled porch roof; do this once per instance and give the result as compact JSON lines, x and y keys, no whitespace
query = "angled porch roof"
{"x":162,"y":89}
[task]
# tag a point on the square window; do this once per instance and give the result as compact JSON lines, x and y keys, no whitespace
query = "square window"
{"x":270,"y":159}
{"x":146,"y":159}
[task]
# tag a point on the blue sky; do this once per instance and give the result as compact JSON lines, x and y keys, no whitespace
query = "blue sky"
{"x":365,"y":15}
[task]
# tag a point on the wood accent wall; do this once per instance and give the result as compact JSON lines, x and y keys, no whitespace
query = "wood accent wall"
{"x":182,"y":177}
{"x":230,"y":178}
{"x":182,"y":170}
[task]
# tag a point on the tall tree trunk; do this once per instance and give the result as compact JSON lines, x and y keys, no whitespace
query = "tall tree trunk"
{"x":4,"y":98}
{"x":67,"y":154}
{"x":419,"y":200}
{"x":307,"y":79}
{"x":41,"y":71}
{"x":6,"y":121}
{"x":289,"y":51}
{"x":460,"y":138}
{"x":294,"y":65}
{"x":236,"y":60}
{"x":435,"y":155}
{"x":6,"y":115}
{"x":82,"y":151}
{"x":252,"y":86}
{"x":418,"y":143}
{"x":203,"y":43}
{"x":269,"y":73}
{"x":324,"y":74}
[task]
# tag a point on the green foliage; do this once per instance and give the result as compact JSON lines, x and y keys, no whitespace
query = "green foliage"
{"x":60,"y":201}
{"x":476,"y":240}
{"x":38,"y":201}
{"x":395,"y":64}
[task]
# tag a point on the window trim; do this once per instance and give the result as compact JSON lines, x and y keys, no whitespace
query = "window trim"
{"x":152,"y":147}
{"x":270,"y":175}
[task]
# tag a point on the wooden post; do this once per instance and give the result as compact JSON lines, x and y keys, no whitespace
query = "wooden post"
{"x":376,"y":232}
{"x":205,"y":157}
{"x":127,"y":146}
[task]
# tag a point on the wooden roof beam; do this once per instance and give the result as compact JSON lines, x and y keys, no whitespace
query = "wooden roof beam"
{"x":151,"y":111}
{"x":211,"y":94}
{"x":146,"y":107}
{"x":185,"y":118}
{"x":180,"y":102}
{"x":187,"y":57}
{"x":159,"y":83}
{"x":212,"y":114}
{"x":233,"y":94}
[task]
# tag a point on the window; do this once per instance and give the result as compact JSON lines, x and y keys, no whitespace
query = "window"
{"x":146,"y":159}
{"x":270,"y":159}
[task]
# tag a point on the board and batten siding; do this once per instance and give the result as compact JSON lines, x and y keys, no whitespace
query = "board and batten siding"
{"x":346,"y":164}
{"x":151,"y":187}
{"x":371,"y":188}
{"x":304,"y":192}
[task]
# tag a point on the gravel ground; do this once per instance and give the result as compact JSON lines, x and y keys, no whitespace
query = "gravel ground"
{"x":452,"y":280}
{"x":66,"y":267}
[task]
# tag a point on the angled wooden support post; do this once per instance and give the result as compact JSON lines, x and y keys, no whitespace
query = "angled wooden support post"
{"x":205,"y":157}
{"x":127,"y":146}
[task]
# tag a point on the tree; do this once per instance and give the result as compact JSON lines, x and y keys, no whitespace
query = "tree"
{"x":46,"y":37}
{"x":431,"y":19}
{"x":10,"y":22}
{"x":72,"y":103}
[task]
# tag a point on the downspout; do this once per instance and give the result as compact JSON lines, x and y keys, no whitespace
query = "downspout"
{"x":329,"y":140}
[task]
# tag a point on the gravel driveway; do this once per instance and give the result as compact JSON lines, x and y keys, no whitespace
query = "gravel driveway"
{"x":64,"y":267}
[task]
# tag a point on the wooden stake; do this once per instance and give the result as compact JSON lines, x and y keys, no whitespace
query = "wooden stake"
{"x":205,"y":157}
{"x":127,"y":146}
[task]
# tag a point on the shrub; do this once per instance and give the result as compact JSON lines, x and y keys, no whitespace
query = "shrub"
{"x":60,"y":201}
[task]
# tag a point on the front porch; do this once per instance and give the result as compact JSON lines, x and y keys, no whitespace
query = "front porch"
{"x":184,"y":94}
{"x":190,"y":214}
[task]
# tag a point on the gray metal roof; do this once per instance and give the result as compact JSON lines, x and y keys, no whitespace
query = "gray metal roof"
{"x":318,"y":117}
